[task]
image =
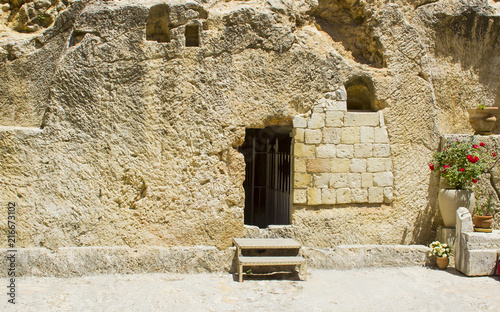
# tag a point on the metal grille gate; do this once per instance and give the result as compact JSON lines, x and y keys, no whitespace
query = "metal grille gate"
{"x":268,"y":176}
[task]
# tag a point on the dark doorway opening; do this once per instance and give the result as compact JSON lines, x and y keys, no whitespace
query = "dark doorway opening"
{"x":268,"y":175}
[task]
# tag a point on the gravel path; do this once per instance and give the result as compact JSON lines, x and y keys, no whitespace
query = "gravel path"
{"x":388,"y":289}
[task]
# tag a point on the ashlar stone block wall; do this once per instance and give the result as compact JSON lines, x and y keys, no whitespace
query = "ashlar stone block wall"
{"x":340,"y":156}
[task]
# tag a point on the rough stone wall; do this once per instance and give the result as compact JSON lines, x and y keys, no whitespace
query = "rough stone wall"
{"x":110,"y":139}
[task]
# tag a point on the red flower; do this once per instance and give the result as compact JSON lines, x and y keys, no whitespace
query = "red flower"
{"x":462,"y":169}
{"x":472,"y":159}
{"x":474,"y":180}
{"x":482,"y":144}
{"x":475,"y":146}
{"x":431,"y":166}
{"x":446,"y":166}
{"x":494,"y":154}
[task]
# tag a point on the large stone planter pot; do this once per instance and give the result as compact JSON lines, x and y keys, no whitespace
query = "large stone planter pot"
{"x":452,"y":199}
{"x":482,"y":120}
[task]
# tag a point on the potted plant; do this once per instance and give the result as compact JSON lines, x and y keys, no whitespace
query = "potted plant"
{"x":482,"y":119}
{"x":460,"y":164}
{"x":442,"y":253}
{"x":484,"y":214}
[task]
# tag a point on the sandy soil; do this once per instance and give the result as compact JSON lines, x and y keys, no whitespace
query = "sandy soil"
{"x":390,"y":289}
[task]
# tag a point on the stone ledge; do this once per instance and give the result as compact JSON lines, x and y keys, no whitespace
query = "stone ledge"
{"x":80,"y":261}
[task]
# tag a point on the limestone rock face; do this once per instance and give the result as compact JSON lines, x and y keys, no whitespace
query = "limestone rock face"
{"x":120,"y":121}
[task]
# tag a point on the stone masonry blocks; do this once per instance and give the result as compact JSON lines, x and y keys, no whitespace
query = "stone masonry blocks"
{"x":358,"y":165}
{"x":352,"y":119}
{"x":341,"y":157}
{"x":338,"y":180}
{"x":298,"y":135}
{"x":299,"y":164}
{"x":325,"y":151}
{"x":363,"y":150}
{"x":299,"y":122}
{"x":301,"y":180}
{"x":317,"y":121}
{"x":314,"y":196}
{"x":367,"y":134}
{"x":343,"y":196}
{"x":303,"y":150}
{"x":340,"y":165}
{"x":380,"y":135}
{"x":383,"y":179}
{"x":321,"y":180}
{"x":334,"y":119}
{"x":313,"y":136}
{"x":331,"y":135}
{"x":350,"y":135}
{"x":299,"y":196}
{"x":318,"y":165}
{"x":345,"y":151}
{"x":329,"y":196}
{"x":375,"y":195}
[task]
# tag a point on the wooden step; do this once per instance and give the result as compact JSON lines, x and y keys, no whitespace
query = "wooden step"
{"x":294,"y":260}
{"x":266,"y":243}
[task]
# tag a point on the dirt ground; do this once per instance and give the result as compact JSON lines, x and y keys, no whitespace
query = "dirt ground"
{"x":387,"y":289}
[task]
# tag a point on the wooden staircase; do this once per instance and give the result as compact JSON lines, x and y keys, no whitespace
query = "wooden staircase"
{"x":273,"y":244}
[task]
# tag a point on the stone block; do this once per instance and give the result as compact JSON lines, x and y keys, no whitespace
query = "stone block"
{"x":366,"y":180}
{"x":446,"y":235}
{"x":318,"y":108}
{"x":350,"y":135}
{"x":480,"y":262}
{"x":303,"y":150}
{"x":334,"y":119}
{"x":383,"y":179}
{"x":376,"y":164}
{"x":325,"y":151}
{"x":357,"y":119}
{"x":331,"y":135}
{"x":388,"y":195}
{"x":367,"y":134}
{"x":298,"y":135}
{"x":345,"y":151}
{"x":321,"y":180}
{"x":338,"y":180}
{"x":381,"y":150}
{"x":362,"y":150}
{"x":340,"y":165}
{"x":313,"y":136}
{"x":388,"y":164}
{"x":329,"y":196}
{"x":375,"y":195}
{"x":343,"y":196}
{"x":301,"y":180}
{"x":299,"y":165}
{"x":341,"y":94}
{"x":299,"y":122}
{"x":380,"y":135}
{"x":358,"y":165}
{"x":337,"y":106}
{"x":318,"y":165}
{"x":354,"y":180}
{"x":314,"y":196}
{"x":299,"y":196}
{"x":359,"y":195}
{"x":317,"y":121}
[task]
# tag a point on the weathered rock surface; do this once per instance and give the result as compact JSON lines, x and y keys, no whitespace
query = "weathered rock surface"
{"x":80,"y":261}
{"x":139,"y":132}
